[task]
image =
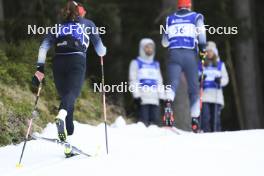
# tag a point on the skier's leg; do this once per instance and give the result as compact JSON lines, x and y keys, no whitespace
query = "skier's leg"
{"x":155,"y":114}
{"x":75,"y":81}
{"x":218,"y":123}
{"x":69,"y":121}
{"x":144,"y":114}
{"x":190,"y":68}
{"x":60,"y":83}
{"x":205,"y":118}
{"x":191,"y":72}
{"x":69,"y":73}
{"x":174,"y":70}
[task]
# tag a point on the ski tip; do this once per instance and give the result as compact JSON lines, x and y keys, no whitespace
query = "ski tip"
{"x":18,"y":165}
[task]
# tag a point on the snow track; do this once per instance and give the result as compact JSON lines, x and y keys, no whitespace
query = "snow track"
{"x":136,"y":150}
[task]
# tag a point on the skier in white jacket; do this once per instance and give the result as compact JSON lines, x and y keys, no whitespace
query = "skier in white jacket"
{"x":215,"y":77}
{"x":146,"y":80}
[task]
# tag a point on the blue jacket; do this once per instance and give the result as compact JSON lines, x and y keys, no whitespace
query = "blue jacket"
{"x":50,"y":40}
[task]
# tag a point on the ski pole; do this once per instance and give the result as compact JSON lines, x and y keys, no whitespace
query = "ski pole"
{"x":201,"y":85}
{"x":104,"y":105}
{"x":216,"y":108}
{"x":202,"y":81}
{"x":34,"y":114}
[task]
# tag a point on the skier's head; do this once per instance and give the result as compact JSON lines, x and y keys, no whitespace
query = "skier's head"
{"x":184,"y":4}
{"x":211,"y":50}
{"x":70,"y":11}
{"x":212,"y":53}
{"x":147,"y":49}
{"x":81,"y":10}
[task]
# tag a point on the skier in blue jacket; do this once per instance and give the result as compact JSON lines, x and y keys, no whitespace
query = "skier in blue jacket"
{"x":185,"y":36}
{"x":69,"y":62}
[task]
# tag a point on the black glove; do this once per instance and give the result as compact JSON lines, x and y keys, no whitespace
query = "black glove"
{"x":202,"y":79}
{"x":202,"y":51}
{"x":218,"y":80}
{"x":137,"y":101}
{"x":39,"y":75}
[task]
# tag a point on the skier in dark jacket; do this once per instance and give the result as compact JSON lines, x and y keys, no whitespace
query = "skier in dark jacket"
{"x":185,"y":33}
{"x":69,"y":63}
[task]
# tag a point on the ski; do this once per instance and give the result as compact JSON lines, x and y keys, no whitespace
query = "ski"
{"x":57,"y":141}
{"x":172,"y":129}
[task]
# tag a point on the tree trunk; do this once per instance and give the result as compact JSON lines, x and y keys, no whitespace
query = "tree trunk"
{"x":233,"y":79}
{"x":246,"y":65}
{"x":2,"y":32}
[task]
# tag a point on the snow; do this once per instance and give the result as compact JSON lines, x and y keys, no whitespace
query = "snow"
{"x":136,"y":150}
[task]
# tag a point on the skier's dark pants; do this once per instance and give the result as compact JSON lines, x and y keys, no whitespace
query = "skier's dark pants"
{"x":149,"y":114}
{"x":210,"y":112}
{"x":69,"y":74}
{"x":184,"y":60}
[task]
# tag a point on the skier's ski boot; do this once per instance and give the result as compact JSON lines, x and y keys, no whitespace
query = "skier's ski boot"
{"x":195,"y":125}
{"x":68,"y":151}
{"x":168,"y":118}
{"x":61,"y":127}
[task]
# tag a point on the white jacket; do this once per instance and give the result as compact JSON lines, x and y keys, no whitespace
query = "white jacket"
{"x":147,"y":96}
{"x":216,"y":95}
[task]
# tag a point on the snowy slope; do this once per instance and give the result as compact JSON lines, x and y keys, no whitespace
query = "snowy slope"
{"x":136,"y":150}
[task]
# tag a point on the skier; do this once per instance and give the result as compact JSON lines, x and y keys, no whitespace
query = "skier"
{"x":145,"y":77}
{"x":69,"y":63}
{"x":215,"y":77}
{"x":185,"y":34}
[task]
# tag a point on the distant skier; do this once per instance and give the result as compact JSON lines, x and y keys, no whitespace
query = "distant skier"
{"x":215,"y":77}
{"x":69,"y":62}
{"x":145,"y":76}
{"x":185,"y":33}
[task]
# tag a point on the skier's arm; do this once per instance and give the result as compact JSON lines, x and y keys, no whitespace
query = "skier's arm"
{"x":224,"y":76}
{"x":46,"y":44}
{"x":165,"y":41}
{"x":201,"y":33}
{"x":133,"y":78}
{"x":96,"y":40}
{"x":48,"y":41}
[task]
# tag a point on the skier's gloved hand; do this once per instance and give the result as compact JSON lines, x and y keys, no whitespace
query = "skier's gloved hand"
{"x":102,"y":51}
{"x":202,"y":78}
{"x":137,"y":101}
{"x":218,"y":80}
{"x":39,"y":75}
{"x":202,"y":49}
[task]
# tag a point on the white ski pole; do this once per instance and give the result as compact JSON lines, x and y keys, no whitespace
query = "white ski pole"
{"x":34,"y":114}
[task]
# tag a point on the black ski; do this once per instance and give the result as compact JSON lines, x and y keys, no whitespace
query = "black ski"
{"x":57,"y":141}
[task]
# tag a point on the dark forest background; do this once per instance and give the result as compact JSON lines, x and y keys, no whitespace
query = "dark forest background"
{"x":128,"y":21}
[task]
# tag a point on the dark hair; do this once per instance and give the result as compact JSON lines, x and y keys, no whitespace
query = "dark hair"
{"x":70,"y":11}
